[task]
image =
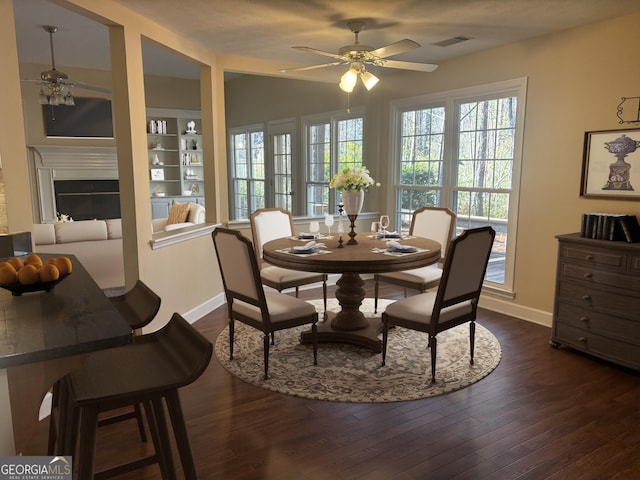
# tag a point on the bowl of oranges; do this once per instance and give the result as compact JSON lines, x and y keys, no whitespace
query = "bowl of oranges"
{"x":31,"y":274}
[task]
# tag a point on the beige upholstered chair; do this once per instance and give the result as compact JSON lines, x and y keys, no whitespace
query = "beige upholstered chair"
{"x":436,"y":223}
{"x":456,"y":300}
{"x":268,"y":224}
{"x":247,"y":301}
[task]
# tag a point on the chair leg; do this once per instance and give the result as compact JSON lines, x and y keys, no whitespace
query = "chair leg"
{"x":375,"y":294}
{"x":266,"y":355}
{"x":231,"y":335}
{"x":87,"y":449}
{"x":162,"y":443}
{"x":138,"y":415}
{"x":472,"y":339}
{"x":314,"y":333}
{"x":182,"y":438}
{"x":297,"y":291}
{"x":434,"y":346}
{"x":385,"y":336}
{"x":324,"y":293}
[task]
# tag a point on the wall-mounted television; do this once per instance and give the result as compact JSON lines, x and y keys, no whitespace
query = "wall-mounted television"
{"x":88,"y":118}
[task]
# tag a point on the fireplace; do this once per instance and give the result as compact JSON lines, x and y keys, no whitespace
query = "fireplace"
{"x":88,"y":199}
{"x":77,"y":181}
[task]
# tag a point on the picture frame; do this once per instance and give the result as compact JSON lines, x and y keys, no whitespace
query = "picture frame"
{"x":611,"y":164}
{"x":157,"y":174}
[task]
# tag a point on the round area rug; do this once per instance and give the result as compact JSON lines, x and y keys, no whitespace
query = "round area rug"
{"x":347,"y":373}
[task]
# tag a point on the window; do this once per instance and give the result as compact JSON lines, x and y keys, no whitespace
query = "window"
{"x":462,"y":150}
{"x":247,"y":170}
{"x":332,"y":143}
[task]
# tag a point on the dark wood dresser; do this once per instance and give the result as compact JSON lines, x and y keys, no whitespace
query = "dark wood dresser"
{"x":597,"y":303}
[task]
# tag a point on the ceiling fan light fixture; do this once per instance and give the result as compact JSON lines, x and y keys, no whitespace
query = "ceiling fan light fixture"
{"x":43,"y":99}
{"x":349,"y":79}
{"x":369,"y":79}
{"x":68,"y":100}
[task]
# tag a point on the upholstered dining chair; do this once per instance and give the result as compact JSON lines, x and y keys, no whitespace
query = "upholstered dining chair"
{"x":436,"y":223}
{"x":456,"y":300}
{"x":247,"y":300}
{"x":268,"y":224}
{"x":138,"y":306}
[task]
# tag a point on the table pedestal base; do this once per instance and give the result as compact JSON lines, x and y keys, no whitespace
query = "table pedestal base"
{"x":349,"y":325}
{"x":366,"y":337}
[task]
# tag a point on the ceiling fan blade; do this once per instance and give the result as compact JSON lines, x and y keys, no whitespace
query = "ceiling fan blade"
{"x":312,"y":67}
{"x":418,"y":67}
{"x":395,"y":48}
{"x":318,"y":52}
{"x":89,"y":87}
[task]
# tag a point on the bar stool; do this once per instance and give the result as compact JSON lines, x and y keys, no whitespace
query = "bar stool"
{"x":165,"y":360}
{"x":138,"y":306}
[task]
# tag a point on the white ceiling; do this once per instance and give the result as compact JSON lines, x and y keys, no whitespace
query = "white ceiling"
{"x":268,"y":29}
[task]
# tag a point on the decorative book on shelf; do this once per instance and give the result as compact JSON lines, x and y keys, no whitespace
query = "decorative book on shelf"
{"x":610,"y":226}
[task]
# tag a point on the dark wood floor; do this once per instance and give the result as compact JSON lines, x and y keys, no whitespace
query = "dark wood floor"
{"x":544,"y":413}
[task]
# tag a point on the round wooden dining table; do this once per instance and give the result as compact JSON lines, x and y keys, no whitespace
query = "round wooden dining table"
{"x":350,"y":325}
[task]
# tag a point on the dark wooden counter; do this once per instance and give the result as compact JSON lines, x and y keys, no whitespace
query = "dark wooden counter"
{"x":43,"y":335}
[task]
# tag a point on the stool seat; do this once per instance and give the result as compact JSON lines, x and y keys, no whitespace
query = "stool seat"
{"x":148,"y":371}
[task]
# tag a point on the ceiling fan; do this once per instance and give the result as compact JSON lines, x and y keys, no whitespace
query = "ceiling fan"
{"x":55,"y":86}
{"x":358,"y":56}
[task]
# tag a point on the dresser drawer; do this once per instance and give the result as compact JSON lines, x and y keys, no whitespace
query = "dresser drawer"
{"x":594,"y":256}
{"x":617,"y":351}
{"x":635,"y":264}
{"x":624,"y":304}
{"x":601,"y":277}
{"x":599,"y":323}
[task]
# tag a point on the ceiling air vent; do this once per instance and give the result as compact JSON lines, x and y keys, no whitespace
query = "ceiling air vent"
{"x":453,"y":41}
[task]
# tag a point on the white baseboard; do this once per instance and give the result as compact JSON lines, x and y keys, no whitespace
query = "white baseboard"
{"x":508,"y":308}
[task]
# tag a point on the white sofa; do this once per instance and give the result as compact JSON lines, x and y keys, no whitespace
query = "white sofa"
{"x":97,"y":244}
{"x":196,"y":215}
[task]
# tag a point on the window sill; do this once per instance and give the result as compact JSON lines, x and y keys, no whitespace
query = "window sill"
{"x":164,"y":239}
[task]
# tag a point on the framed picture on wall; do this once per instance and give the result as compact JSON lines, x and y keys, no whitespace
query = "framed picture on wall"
{"x":611,"y":164}
{"x":157,"y":174}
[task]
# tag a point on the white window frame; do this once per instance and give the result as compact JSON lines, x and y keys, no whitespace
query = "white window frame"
{"x":246,"y":130}
{"x":332,"y":119}
{"x":451,"y":101}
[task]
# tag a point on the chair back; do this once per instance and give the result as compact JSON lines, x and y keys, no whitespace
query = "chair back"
{"x":268,"y":224}
{"x":464,"y":270}
{"x":436,"y":223}
{"x":138,"y":306}
{"x":189,"y":350}
{"x":239,"y":270}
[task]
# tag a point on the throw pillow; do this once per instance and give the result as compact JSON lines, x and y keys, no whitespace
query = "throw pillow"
{"x":178,"y":213}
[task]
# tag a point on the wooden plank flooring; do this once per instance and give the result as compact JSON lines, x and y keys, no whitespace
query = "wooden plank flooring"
{"x":544,"y":413}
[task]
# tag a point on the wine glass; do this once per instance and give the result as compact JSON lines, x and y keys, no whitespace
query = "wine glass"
{"x":314,"y":228}
{"x":384,"y":224}
{"x":328,"y":221}
{"x":375,"y":228}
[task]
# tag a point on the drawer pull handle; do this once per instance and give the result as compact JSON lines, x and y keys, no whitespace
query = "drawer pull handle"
{"x":588,"y":275}
{"x":586,"y":297}
{"x":589,"y":257}
{"x":584,"y":319}
{"x":582,"y":339}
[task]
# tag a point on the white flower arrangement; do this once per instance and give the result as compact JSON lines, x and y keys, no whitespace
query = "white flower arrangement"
{"x":63,"y":218}
{"x":353,"y":178}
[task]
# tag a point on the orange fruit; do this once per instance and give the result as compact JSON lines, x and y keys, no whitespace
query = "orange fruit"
{"x":16,"y":263}
{"x":63,"y":264}
{"x":28,"y":275}
{"x":48,"y":273}
{"x":8,"y":274}
{"x":33,"y":259}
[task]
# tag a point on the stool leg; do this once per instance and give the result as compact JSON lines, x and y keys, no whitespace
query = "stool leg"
{"x":87,"y":450}
{"x":180,"y":432}
{"x":138,"y":414}
{"x":162,"y":443}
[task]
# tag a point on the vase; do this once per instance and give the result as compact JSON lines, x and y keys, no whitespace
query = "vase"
{"x":352,"y":201}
